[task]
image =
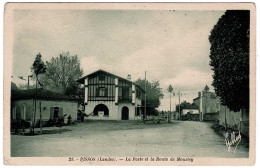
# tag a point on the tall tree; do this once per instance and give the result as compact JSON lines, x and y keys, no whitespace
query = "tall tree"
{"x":154,"y":95}
{"x":170,"y":89}
{"x":37,"y":68}
{"x":62,"y":72}
{"x":229,"y":54}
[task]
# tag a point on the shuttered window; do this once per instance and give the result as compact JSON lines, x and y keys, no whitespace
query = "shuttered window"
{"x":14,"y":113}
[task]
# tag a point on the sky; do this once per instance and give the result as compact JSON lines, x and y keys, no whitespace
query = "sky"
{"x":171,"y":46}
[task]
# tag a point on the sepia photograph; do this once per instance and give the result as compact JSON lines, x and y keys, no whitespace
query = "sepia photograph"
{"x":129,"y":84}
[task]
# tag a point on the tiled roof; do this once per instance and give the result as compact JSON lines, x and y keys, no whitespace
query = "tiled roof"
{"x":41,"y":94}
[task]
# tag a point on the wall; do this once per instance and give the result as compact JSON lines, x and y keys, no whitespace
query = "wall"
{"x":18,"y":104}
{"x":69,"y":108}
{"x":233,"y":119}
{"x":131,"y":110}
{"x":210,"y":104}
{"x":211,"y":117}
{"x":193,"y":117}
{"x":115,"y":111}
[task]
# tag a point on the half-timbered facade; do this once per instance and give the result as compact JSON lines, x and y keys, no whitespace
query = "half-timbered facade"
{"x":110,"y":97}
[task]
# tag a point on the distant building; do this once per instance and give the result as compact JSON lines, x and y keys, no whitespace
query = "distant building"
{"x":53,"y":105}
{"x":191,"y":111}
{"x":110,"y":97}
{"x":207,"y":102}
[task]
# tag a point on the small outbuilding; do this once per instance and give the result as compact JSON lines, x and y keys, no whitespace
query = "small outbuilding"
{"x":48,"y":104}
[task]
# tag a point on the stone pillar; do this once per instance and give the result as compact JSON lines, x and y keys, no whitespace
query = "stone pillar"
{"x":116,"y":91}
{"x":133,"y":94}
{"x":86,"y":91}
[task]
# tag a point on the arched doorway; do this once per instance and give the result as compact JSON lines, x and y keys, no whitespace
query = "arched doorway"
{"x":125,"y":113}
{"x":101,"y":109}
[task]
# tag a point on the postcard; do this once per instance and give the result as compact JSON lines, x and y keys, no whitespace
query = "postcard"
{"x":133,"y":84}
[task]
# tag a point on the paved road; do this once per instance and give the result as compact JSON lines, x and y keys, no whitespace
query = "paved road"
{"x":186,"y":138}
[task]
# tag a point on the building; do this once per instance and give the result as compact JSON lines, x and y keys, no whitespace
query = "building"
{"x":209,"y":105}
{"x":49,"y":104}
{"x":191,"y":111}
{"x":211,"y":109}
{"x":110,"y":97}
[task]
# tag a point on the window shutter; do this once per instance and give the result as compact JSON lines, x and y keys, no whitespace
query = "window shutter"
{"x":51,"y":113}
{"x":18,"y":113}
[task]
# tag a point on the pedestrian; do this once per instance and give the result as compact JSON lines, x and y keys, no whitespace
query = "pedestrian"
{"x":69,"y":120}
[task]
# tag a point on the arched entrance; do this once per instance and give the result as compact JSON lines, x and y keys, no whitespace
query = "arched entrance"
{"x":125,"y":113}
{"x":101,"y":109}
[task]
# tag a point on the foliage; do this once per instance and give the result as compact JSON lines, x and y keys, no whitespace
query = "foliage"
{"x":62,"y":72}
{"x":186,"y":105}
{"x":38,"y":66}
{"x":170,"y":89}
{"x":76,"y":92}
{"x":153,"y":95}
{"x":206,"y":89}
{"x":229,"y":54}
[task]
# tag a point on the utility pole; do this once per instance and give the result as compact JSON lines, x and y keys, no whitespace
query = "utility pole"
{"x":144,"y":98}
{"x":29,"y":76}
{"x":35,"y":106}
{"x":41,"y":116}
{"x":179,"y":105}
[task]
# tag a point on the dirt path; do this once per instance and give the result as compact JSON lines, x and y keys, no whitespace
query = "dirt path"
{"x":187,"y":139}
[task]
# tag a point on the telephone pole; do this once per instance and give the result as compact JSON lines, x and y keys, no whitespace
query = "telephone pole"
{"x":179,"y":105}
{"x":144,"y":98}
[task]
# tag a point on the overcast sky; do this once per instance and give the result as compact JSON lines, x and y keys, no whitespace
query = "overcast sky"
{"x":172,"y":46}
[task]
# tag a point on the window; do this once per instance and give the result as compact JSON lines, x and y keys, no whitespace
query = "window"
{"x":23,"y":112}
{"x":14,"y":113}
{"x":125,"y":93}
{"x":101,"y":92}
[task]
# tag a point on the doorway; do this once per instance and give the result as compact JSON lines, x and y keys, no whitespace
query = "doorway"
{"x":125,"y":113}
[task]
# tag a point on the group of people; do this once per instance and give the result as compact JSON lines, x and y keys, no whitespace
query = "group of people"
{"x":59,"y":121}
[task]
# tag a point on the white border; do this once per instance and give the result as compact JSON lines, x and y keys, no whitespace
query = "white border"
{"x":2,"y":2}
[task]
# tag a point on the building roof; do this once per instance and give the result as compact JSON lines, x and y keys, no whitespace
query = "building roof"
{"x":41,"y":94}
{"x":212,"y":95}
{"x":81,"y":80}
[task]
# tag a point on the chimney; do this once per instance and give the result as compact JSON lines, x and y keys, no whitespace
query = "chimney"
{"x":199,"y":94}
{"x":129,"y":77}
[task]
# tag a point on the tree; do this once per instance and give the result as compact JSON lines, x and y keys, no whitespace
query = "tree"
{"x":37,"y":68}
{"x":62,"y":72}
{"x":76,"y":92}
{"x":229,"y":54}
{"x":154,"y":95}
{"x":206,"y":89}
{"x":170,"y":89}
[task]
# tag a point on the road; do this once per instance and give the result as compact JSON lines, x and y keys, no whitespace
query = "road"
{"x":184,"y":138}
